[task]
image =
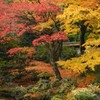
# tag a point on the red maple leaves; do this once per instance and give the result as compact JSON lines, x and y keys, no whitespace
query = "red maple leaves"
{"x":14,"y":20}
{"x":29,"y":51}
{"x":48,"y":39}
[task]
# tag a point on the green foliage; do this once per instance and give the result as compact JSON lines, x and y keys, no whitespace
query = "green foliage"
{"x":5,"y":47}
{"x":7,"y":68}
{"x":84,"y":96}
{"x":3,"y":62}
{"x":26,"y":39}
{"x":91,"y":92}
{"x":42,"y":54}
{"x":75,"y":37}
{"x":57,"y":97}
{"x":6,"y":75}
{"x":45,"y":74}
{"x":68,"y":52}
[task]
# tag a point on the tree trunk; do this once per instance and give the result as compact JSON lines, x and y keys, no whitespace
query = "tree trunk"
{"x":55,"y":69}
{"x":81,"y":43}
{"x":82,"y":40}
{"x":54,"y":56}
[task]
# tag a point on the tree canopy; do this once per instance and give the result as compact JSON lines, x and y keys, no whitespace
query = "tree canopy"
{"x":51,"y":21}
{"x":76,"y":17}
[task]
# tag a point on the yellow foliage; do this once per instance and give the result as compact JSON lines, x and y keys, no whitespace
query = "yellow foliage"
{"x":44,"y":25}
{"x":93,"y":40}
{"x":30,"y":1}
{"x":80,"y":64}
{"x":20,"y":1}
{"x":75,"y":13}
{"x":79,"y":11}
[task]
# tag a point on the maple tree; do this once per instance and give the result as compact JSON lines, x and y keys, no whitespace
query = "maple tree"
{"x":82,"y":16}
{"x":37,"y":17}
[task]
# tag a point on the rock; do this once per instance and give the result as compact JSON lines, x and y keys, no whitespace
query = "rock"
{"x":63,"y":86}
{"x":20,"y":92}
{"x":30,"y":87}
{"x":97,"y":95}
{"x":97,"y":98}
{"x":44,"y":84}
{"x":56,"y":83}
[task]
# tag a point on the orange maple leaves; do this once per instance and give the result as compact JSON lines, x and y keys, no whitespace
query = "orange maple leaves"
{"x":45,"y":67}
{"x":88,"y":79}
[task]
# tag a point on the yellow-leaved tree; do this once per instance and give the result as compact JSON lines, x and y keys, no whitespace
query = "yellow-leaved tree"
{"x":83,"y":16}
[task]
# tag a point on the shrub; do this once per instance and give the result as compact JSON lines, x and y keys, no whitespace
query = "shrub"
{"x":91,"y":92}
{"x":84,"y":96}
{"x":45,"y":75}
